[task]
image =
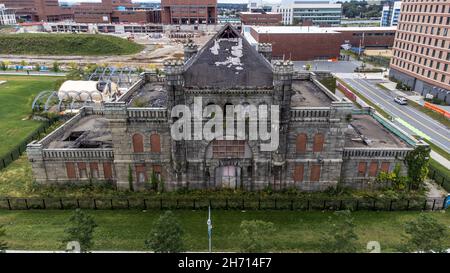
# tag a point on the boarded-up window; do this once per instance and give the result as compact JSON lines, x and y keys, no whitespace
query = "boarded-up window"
{"x":373,"y":168}
{"x":155,"y":143}
{"x":315,"y":173}
{"x":82,"y":169}
{"x":141,"y":173}
{"x":157,"y":170}
{"x":301,"y":143}
{"x":107,"y":170}
{"x":318,"y":143}
{"x":70,"y":168}
{"x":298,"y":173}
{"x":385,"y":167}
{"x":93,"y":166}
{"x":228,"y":148}
{"x":362,"y":167}
{"x":138,"y":143}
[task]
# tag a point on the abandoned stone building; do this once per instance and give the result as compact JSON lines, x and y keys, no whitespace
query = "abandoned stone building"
{"x":323,"y":139}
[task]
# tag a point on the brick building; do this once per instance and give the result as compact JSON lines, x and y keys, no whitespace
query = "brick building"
{"x":34,"y":10}
{"x":422,"y":48}
{"x":312,"y":43}
{"x":106,"y":11}
{"x":260,"y":18}
{"x":321,"y":141}
{"x":185,"y":12}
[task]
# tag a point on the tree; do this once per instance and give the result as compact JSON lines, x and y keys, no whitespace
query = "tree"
{"x":3,"y":66}
{"x":55,"y":67}
{"x":426,"y":234}
{"x":417,"y":162}
{"x":254,"y":235}
{"x":154,"y":182}
{"x":166,"y":235}
{"x":341,"y":237}
{"x":130,"y":178}
{"x":3,"y":245}
{"x":80,"y":228}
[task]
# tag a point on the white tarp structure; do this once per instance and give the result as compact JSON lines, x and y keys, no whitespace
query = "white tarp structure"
{"x":86,"y":91}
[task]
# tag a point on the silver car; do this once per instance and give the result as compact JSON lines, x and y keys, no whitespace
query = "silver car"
{"x":401,"y":100}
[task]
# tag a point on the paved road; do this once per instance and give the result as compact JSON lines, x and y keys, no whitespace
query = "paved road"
{"x":33,"y":73}
{"x":406,"y":117}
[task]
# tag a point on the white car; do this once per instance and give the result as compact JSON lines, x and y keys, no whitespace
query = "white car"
{"x":401,"y":100}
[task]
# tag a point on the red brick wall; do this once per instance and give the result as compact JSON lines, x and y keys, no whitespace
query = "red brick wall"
{"x":302,"y":47}
{"x":172,"y":6}
{"x":130,"y":16}
{"x":371,"y":38}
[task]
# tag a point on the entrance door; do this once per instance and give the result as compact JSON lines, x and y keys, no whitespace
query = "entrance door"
{"x":228,"y":177}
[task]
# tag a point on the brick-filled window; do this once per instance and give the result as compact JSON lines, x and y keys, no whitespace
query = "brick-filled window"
{"x":362,"y":167}
{"x":299,"y":172}
{"x":70,"y":169}
{"x":373,"y":169}
{"x":155,"y":143}
{"x":300,"y":143}
{"x":138,"y":143}
{"x":82,"y":169}
{"x":141,"y":174}
{"x":157,"y":170}
{"x":228,"y":148}
{"x":93,"y":167}
{"x":315,"y":173}
{"x":107,"y":170}
{"x":318,"y":143}
{"x":385,"y":167}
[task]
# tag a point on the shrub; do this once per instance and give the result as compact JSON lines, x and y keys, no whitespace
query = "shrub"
{"x":81,"y":229}
{"x":425,"y":234}
{"x":341,"y":237}
{"x":254,"y":235}
{"x":166,"y":235}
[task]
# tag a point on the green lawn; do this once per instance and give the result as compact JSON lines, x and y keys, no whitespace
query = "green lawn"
{"x":16,"y":97}
{"x":66,"y":44}
{"x":127,"y":230}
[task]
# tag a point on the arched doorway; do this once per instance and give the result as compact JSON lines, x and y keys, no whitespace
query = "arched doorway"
{"x":228,"y":177}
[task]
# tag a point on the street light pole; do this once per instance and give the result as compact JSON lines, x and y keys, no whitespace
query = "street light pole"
{"x":209,"y":229}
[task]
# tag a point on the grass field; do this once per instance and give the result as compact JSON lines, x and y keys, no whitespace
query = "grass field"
{"x":66,"y":44}
{"x":127,"y":230}
{"x":16,"y":96}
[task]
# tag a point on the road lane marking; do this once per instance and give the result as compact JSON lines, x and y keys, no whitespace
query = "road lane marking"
{"x":398,"y":109}
{"x":407,"y":108}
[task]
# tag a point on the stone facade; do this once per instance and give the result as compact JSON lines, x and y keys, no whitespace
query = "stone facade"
{"x":318,"y":144}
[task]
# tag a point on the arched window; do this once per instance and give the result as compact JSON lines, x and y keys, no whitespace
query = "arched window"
{"x":138,"y":143}
{"x":318,"y":143}
{"x":301,"y":143}
{"x":155,"y":143}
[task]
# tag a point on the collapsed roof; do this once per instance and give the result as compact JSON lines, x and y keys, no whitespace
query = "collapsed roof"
{"x":227,"y":61}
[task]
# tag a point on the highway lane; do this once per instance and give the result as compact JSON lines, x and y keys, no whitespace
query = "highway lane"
{"x":411,"y":119}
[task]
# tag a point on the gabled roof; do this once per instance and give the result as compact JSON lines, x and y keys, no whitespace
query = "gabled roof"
{"x":226,"y":61}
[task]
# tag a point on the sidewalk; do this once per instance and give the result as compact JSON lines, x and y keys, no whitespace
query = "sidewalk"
{"x":439,"y":158}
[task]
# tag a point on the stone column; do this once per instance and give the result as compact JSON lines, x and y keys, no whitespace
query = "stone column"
{"x":36,"y":158}
{"x":265,"y":49}
{"x":190,"y":50}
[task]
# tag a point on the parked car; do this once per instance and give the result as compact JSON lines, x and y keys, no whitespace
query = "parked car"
{"x":401,"y":100}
